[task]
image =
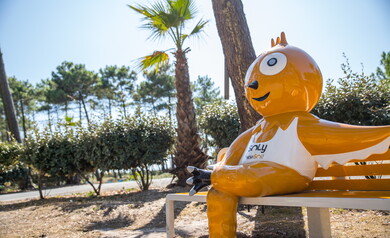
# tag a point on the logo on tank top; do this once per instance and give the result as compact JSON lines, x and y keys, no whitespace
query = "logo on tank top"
{"x":256,"y":151}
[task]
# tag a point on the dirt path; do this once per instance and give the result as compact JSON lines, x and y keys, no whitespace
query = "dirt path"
{"x":130,"y":213}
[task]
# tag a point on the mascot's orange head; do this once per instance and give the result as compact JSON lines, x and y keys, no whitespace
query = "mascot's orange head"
{"x":283,"y":79}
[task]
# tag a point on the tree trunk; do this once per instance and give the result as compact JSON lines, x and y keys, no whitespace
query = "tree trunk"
{"x":109,"y":107}
{"x":124,"y":108}
{"x":86,"y":111}
{"x":57,"y":114}
{"x":8,"y":102}
{"x":49,"y":118}
{"x":100,"y":183}
{"x":239,"y":53}
{"x":97,"y":192}
{"x":66,"y":109}
{"x":226,"y":81}
{"x":187,"y":147}
{"x":23,"y":118}
{"x":40,"y":186}
{"x":3,"y":126}
{"x":80,"y":113}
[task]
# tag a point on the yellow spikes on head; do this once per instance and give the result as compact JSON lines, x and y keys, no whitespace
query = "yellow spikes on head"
{"x":279,"y":41}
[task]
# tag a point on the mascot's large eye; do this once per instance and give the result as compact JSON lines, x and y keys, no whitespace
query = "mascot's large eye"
{"x":249,"y":72}
{"x":273,"y":64}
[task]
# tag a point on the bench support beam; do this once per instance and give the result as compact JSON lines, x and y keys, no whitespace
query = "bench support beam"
{"x":170,"y":218}
{"x":319,"y":222}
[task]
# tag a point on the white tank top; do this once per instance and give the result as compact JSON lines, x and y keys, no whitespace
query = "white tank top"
{"x":284,"y":148}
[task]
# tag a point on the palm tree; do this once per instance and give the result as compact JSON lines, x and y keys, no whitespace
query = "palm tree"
{"x":168,"y":19}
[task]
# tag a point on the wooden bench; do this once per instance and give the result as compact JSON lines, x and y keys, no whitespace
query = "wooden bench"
{"x":355,"y":185}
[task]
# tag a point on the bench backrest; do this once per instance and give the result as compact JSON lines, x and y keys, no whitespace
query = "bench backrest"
{"x":370,"y":174}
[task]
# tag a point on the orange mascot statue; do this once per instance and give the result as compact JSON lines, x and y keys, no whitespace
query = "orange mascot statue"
{"x":281,"y":153}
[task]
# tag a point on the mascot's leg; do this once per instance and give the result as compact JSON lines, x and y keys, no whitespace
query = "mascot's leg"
{"x":231,"y":182}
{"x":221,"y":212}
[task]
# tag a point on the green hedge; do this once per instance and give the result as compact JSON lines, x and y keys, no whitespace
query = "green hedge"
{"x":221,"y":122}
{"x":356,"y":99}
{"x":134,"y":143}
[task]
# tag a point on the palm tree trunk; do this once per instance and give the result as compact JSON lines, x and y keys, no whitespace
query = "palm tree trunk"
{"x":239,"y":53}
{"x":8,"y":103}
{"x":187,"y":147}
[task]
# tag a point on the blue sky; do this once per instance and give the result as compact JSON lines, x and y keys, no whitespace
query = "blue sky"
{"x":36,"y":36}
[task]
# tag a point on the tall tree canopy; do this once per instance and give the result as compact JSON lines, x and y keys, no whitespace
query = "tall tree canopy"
{"x":384,"y":74}
{"x":74,"y":82}
{"x":205,"y":93}
{"x":169,"y":19}
{"x":118,"y":83}
{"x":157,"y":90}
{"x":23,"y":94}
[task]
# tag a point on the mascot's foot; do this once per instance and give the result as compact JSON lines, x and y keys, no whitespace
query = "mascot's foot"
{"x":200,"y":179}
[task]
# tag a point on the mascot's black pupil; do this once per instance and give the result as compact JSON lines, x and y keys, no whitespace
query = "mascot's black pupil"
{"x":272,"y":61}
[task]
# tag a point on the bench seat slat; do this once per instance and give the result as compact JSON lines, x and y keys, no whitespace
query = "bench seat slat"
{"x":354,"y":170}
{"x":328,"y":194}
{"x":377,"y":200}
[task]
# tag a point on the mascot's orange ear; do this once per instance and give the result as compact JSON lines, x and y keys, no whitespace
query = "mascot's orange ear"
{"x":279,"y":41}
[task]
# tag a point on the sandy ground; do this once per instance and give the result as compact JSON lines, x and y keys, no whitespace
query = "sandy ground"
{"x":130,"y":213}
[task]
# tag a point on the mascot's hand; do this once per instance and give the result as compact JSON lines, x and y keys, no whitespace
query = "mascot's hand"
{"x":200,"y":179}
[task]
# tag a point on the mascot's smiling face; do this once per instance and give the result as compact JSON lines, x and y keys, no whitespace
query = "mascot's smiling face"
{"x":283,"y":79}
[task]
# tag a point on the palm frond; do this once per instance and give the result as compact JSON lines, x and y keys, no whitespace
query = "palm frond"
{"x":154,"y":18}
{"x":169,"y":18}
{"x":154,"y":61}
{"x":186,"y":9}
{"x":199,"y":27}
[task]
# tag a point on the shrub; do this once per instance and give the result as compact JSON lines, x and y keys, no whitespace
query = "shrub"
{"x":9,"y":155}
{"x":134,"y":143}
{"x":11,"y":168}
{"x":221,"y":121}
{"x":51,"y":155}
{"x":356,"y":99}
{"x":150,"y":140}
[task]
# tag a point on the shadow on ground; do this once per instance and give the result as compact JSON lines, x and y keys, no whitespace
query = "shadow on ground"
{"x":70,"y":203}
{"x":115,"y":223}
{"x":277,"y":222}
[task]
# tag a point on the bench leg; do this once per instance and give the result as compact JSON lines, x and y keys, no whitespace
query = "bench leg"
{"x":319,"y":222}
{"x":170,"y":218}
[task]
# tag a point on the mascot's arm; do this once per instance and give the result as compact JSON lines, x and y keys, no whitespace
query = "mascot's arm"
{"x":336,"y":142}
{"x":237,"y":148}
{"x":201,"y":178}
